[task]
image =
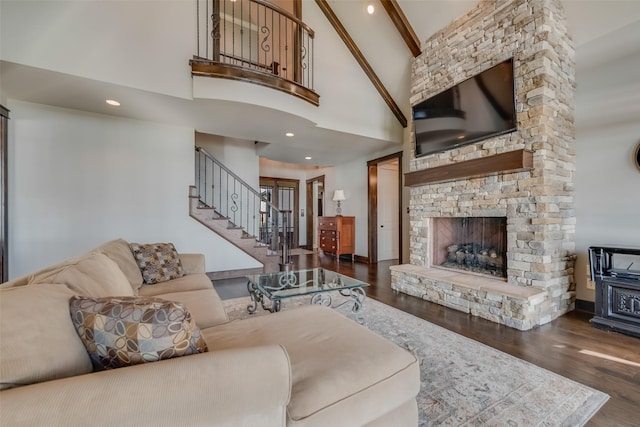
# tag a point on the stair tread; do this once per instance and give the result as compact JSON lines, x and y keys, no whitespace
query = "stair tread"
{"x":247,"y":242}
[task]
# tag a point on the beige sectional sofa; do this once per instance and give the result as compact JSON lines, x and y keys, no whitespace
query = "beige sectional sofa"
{"x":308,"y":366}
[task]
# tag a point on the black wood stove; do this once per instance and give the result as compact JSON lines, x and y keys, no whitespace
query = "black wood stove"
{"x":616,"y":273}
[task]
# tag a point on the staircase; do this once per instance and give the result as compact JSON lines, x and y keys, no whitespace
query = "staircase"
{"x":231,"y":208}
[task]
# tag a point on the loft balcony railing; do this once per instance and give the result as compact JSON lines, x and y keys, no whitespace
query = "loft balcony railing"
{"x":242,"y":206}
{"x":254,"y":40}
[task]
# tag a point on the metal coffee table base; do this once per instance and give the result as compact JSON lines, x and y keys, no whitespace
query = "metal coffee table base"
{"x":356,"y":297}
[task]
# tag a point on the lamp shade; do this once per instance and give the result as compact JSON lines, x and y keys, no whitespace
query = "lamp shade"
{"x":338,"y":196}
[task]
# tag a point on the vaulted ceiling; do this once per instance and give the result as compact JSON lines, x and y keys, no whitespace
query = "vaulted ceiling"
{"x":588,"y":20}
{"x":603,"y":30}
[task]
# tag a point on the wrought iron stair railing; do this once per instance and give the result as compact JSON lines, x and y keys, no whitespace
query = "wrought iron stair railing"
{"x":232,"y":199}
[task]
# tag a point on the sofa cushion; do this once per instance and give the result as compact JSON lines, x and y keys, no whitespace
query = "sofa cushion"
{"x":38,"y":341}
{"x":119,"y":251}
{"x":360,"y":376}
{"x":190,"y":282}
{"x":128,"y":331}
{"x":204,"y":305}
{"x":193,"y":263}
{"x":92,"y":274}
{"x":158,"y":262}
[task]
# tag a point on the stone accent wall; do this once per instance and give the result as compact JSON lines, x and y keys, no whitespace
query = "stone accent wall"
{"x":538,"y":204}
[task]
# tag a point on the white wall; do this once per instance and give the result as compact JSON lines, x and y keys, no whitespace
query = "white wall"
{"x":607,"y":193}
{"x":352,"y":178}
{"x":236,"y":154}
{"x":140,"y":44}
{"x":348,"y":100}
{"x":607,"y":182}
{"x":79,"y":179}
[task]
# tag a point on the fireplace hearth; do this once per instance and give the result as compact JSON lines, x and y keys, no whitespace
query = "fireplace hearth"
{"x":476,"y":245}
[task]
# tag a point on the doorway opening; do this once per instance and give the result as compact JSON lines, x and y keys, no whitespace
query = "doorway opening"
{"x":315,"y":209}
{"x":385,"y":208}
{"x":283,"y":193}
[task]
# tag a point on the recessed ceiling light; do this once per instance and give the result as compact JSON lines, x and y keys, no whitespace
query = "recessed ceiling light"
{"x":370,"y":9}
{"x":308,"y":158}
{"x":289,"y":134}
{"x":113,"y":102}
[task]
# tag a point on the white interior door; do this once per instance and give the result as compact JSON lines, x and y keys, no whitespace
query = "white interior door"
{"x":388,"y":214}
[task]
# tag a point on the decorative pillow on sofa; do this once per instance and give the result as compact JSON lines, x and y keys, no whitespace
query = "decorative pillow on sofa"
{"x":158,"y":262}
{"x":123,"y":331}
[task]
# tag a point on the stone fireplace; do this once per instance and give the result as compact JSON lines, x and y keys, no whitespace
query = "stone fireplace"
{"x":524,"y":177}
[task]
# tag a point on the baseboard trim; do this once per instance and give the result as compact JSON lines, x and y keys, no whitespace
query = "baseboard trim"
{"x":587,"y":306}
{"x":356,"y":258}
{"x":363,"y":259}
{"x":231,"y":274}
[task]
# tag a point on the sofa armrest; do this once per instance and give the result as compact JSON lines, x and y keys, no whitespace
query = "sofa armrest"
{"x":192,"y":263}
{"x":222,"y":388}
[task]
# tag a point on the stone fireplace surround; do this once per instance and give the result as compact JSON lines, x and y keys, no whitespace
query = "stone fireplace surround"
{"x":537,"y":203}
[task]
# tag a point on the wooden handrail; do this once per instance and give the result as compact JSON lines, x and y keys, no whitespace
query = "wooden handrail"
{"x":281,"y":11}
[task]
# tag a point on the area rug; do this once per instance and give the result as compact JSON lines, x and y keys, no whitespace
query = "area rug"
{"x":464,"y":382}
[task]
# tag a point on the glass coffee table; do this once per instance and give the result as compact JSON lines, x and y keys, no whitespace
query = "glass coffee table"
{"x":270,"y":289}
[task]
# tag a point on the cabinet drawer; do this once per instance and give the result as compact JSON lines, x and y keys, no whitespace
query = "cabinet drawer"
{"x":328,"y":245}
{"x":328,"y":234}
{"x":329,"y":237}
{"x":328,"y":248}
{"x":328,"y":240}
{"x":328,"y":224}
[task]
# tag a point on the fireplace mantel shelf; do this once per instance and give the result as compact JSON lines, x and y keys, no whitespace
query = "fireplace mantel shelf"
{"x":512,"y":161}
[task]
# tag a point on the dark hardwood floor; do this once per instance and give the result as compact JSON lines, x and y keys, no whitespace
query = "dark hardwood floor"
{"x":568,"y":346}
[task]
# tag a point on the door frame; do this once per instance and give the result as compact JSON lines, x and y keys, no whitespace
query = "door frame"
{"x":311,"y":203}
{"x":372,"y":204}
{"x":276,"y":183}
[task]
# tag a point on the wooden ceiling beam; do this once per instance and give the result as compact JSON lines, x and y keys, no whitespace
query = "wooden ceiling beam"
{"x":402,"y":24}
{"x":357,"y":54}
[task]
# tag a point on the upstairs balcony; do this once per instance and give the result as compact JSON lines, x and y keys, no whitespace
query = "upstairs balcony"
{"x":255,"y":41}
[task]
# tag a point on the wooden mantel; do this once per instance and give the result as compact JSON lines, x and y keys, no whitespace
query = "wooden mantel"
{"x":512,"y":161}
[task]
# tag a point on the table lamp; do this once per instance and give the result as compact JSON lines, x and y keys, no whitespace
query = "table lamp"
{"x":338,"y":196}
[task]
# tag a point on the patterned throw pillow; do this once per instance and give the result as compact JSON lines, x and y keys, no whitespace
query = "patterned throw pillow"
{"x":123,"y":331}
{"x":158,"y":262}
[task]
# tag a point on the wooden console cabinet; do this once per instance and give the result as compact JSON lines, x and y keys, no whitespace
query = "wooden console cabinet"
{"x":616,"y":272}
{"x":337,"y":235}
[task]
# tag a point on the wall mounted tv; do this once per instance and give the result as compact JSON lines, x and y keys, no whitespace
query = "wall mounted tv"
{"x":480,"y":107}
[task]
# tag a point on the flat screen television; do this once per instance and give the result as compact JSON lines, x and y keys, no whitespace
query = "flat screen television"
{"x":478,"y":108}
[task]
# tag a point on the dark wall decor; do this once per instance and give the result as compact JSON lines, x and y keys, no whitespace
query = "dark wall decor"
{"x":4,"y":224}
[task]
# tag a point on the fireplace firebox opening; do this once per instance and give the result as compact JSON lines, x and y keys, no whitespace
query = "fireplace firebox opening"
{"x":472,"y":244}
